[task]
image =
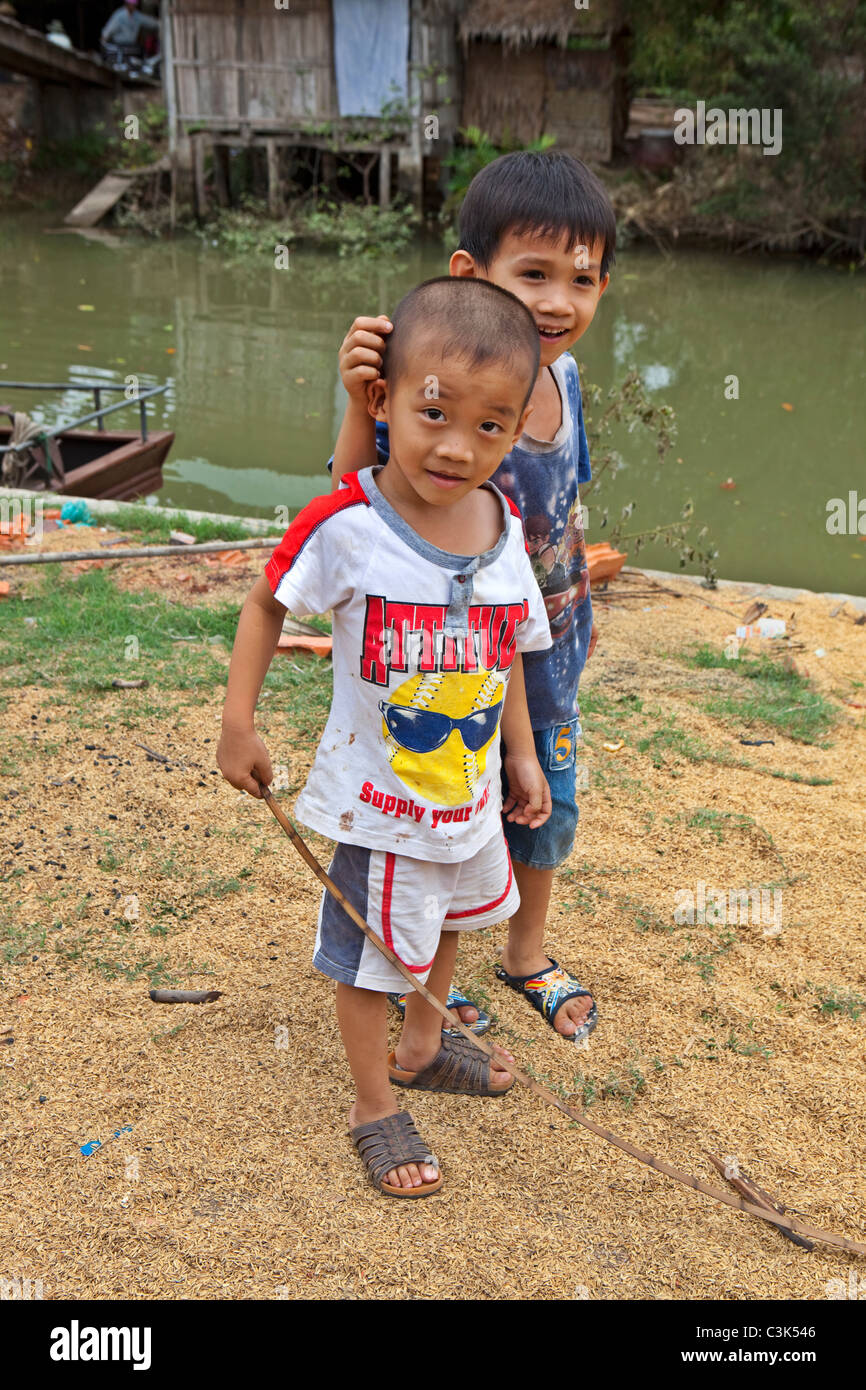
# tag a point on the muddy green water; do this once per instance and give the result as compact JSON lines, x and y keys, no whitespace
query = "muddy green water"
{"x":250,"y":355}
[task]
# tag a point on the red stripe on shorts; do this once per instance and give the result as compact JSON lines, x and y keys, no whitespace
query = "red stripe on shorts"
{"x":487,"y":907}
{"x":387,"y":889}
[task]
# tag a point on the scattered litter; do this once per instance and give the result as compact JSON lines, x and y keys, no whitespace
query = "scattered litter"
{"x":603,"y":562}
{"x":613,"y":747}
{"x":77,"y":511}
{"x":185,"y":996}
{"x":728,"y":485}
{"x":129,"y":685}
{"x":4,"y":588}
{"x":756,"y":742}
{"x":93,"y":1144}
{"x":819,"y":651}
{"x":754,"y":611}
{"x":159,"y":757}
{"x":764,"y":627}
{"x":180,"y":538}
{"x":119,"y":540}
{"x":786,"y":405}
{"x":320,"y":645}
{"x":226,"y":557}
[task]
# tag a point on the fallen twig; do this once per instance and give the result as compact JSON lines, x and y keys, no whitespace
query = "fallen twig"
{"x":750,"y":1189}
{"x":185,"y":996}
{"x":160,"y":757}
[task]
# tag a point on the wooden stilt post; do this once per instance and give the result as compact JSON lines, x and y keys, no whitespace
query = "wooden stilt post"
{"x":221,"y":174}
{"x":166,"y":38}
{"x":275,"y":199}
{"x":198,"y":154}
{"x":384,"y":178}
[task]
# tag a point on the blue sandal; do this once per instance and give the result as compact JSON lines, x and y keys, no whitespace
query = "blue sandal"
{"x":455,"y":1000}
{"x":548,"y":990}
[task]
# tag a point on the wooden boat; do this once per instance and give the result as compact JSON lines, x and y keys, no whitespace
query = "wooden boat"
{"x":76,"y":462}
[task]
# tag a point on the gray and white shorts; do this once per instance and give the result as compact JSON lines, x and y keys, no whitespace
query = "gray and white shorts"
{"x":408,"y":903}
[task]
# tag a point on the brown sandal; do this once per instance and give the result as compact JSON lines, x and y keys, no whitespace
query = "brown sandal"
{"x":392,"y":1143}
{"x":458,"y":1069}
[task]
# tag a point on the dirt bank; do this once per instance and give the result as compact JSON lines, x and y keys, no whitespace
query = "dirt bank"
{"x":237,"y":1179}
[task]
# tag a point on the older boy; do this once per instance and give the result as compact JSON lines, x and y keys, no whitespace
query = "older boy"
{"x":424,"y":566}
{"x":540,"y":225}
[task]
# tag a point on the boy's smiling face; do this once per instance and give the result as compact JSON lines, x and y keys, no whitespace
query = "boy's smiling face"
{"x":450,"y":426}
{"x":559,"y":283}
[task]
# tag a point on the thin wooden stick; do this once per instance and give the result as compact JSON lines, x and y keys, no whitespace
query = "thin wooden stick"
{"x":749,"y":1189}
{"x":642,"y":1156}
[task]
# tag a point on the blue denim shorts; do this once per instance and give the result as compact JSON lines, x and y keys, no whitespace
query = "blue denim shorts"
{"x":552,"y":842}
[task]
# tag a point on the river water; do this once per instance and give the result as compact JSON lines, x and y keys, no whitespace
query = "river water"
{"x":250,"y":356}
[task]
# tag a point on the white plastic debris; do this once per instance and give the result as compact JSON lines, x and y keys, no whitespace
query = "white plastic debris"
{"x":764,"y":627}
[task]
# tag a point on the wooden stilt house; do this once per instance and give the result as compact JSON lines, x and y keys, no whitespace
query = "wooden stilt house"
{"x":354,"y":81}
{"x":534,"y":67}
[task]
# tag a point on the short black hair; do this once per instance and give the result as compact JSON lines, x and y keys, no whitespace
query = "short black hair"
{"x":549,"y":194}
{"x":468,"y":318}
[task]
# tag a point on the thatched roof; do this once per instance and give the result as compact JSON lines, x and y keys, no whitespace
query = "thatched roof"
{"x":518,"y":23}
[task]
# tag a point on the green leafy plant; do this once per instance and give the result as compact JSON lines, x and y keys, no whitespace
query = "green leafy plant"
{"x":803,"y":59}
{"x":475,"y":150}
{"x":625,"y":408}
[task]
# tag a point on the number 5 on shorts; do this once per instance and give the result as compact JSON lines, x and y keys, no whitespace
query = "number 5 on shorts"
{"x":563,"y":739}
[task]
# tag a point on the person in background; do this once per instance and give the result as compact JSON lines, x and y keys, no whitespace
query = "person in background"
{"x":125,"y":28}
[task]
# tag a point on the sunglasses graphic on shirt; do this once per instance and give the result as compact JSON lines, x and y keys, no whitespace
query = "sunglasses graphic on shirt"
{"x":422,"y":730}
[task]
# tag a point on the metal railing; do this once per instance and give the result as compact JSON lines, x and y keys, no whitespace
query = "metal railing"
{"x":97,"y":414}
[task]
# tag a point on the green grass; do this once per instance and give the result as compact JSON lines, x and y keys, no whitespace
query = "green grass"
{"x":832,"y":1000}
{"x":717,"y":823}
{"x":705,"y":960}
{"x":669,"y":743}
{"x":747,"y":1049}
{"x":152,"y":526}
{"x":768,"y":695}
{"x":87,"y":625}
{"x":18,"y":941}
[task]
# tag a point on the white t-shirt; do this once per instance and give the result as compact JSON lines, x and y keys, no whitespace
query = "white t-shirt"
{"x":423,"y":645}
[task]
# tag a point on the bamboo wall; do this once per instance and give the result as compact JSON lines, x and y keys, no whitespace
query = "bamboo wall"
{"x":252,"y":64}
{"x":577,"y":96}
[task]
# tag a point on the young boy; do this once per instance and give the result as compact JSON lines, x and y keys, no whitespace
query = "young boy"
{"x":424,"y":565}
{"x":540,"y":225}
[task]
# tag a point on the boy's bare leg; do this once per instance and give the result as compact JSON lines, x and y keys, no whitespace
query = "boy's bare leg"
{"x":362,"y":1015}
{"x":421,"y":1038}
{"x":523,"y":953}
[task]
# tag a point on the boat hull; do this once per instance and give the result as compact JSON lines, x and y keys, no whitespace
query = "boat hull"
{"x":114,"y":464}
